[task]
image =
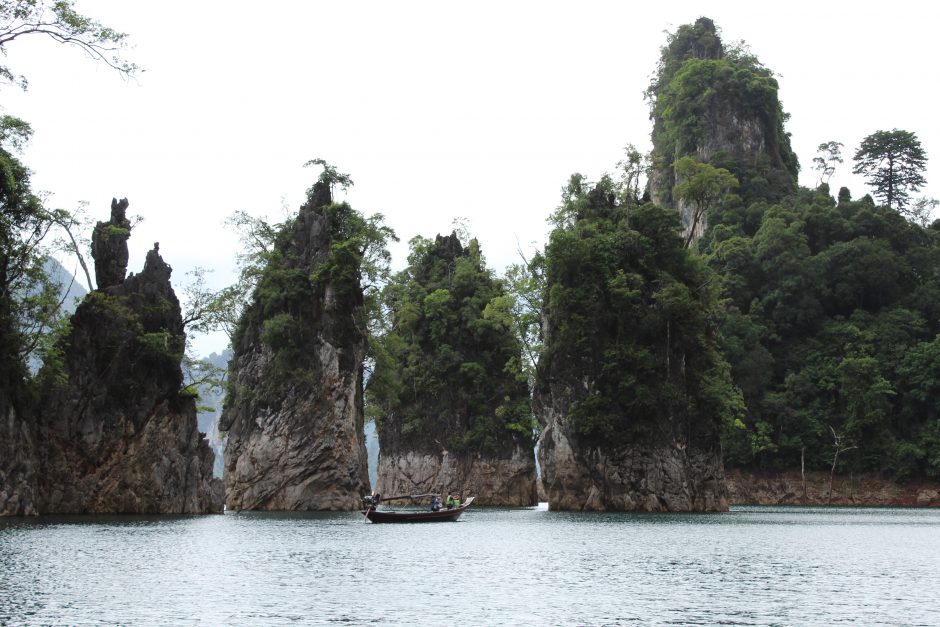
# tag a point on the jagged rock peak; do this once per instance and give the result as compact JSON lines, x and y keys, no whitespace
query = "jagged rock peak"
{"x":320,"y":196}
{"x":116,"y":431}
{"x":155,"y":268}
{"x":719,"y":105}
{"x":701,"y":41}
{"x":294,"y":413}
{"x":448,"y":246}
{"x":109,"y":246}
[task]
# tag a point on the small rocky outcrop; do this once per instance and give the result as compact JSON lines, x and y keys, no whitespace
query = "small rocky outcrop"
{"x":116,"y":433}
{"x":294,"y":413}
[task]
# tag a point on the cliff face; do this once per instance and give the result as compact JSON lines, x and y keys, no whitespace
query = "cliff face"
{"x":719,"y":105}
{"x":507,"y":481}
{"x":17,"y":462}
{"x":670,"y":476}
{"x":631,"y":390}
{"x":294,"y":413}
{"x":813,"y":488}
{"x":114,"y":433}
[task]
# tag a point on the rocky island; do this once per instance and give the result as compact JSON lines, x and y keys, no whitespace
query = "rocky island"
{"x":114,"y":431}
{"x":294,"y":412}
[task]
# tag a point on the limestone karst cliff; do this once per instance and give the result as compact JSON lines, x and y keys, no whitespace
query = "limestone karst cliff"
{"x":631,"y":389}
{"x":452,"y":404}
{"x":668,"y":476}
{"x":17,"y":458}
{"x":114,"y":431}
{"x":294,"y":411}
{"x":719,"y":105}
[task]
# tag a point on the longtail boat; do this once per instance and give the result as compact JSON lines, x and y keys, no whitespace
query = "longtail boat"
{"x":444,"y":514}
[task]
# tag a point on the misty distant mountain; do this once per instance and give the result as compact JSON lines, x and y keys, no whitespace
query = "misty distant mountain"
{"x":71,"y":292}
{"x":70,"y":286}
{"x":210,"y":409}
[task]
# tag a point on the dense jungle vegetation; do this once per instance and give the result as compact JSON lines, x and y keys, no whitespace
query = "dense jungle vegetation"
{"x":447,"y":365}
{"x":631,"y":318}
{"x":829,"y":308}
{"x":797,"y":325}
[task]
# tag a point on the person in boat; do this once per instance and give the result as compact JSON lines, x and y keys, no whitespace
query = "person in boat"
{"x":435,"y":503}
{"x":452,"y":502}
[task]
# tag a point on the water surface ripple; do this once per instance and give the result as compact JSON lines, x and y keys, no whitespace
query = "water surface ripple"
{"x":751,"y":566}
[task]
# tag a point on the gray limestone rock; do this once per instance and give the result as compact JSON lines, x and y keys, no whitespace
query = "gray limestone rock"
{"x":115,"y":433}
{"x":492,"y":480}
{"x":669,"y":476}
{"x":17,"y":463}
{"x":109,"y":246}
{"x":294,"y":415}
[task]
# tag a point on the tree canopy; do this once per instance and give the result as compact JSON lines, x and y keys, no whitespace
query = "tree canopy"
{"x":829,"y":310}
{"x":448,"y":373}
{"x":893,"y":163}
{"x":630,"y":315}
{"x":59,"y":21}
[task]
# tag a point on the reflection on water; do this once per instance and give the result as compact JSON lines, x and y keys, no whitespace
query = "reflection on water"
{"x":754,"y":565}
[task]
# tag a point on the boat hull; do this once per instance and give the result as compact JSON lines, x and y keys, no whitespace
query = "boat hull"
{"x":441,"y":515}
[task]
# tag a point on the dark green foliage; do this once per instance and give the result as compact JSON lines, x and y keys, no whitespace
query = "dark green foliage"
{"x":124,"y":348}
{"x":306,"y":278}
{"x":448,"y":372}
{"x":23,"y":225}
{"x":893,"y":163}
{"x":631,"y":318}
{"x":704,"y":99}
{"x":831,"y":321}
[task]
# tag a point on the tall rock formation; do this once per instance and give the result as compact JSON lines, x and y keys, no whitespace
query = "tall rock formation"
{"x":631,"y":390}
{"x":294,"y":413}
{"x":109,"y":246}
{"x":719,"y":105}
{"x":115,"y":430}
{"x":453,"y":405}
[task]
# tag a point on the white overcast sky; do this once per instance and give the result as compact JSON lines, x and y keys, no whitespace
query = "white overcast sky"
{"x":437,"y":110}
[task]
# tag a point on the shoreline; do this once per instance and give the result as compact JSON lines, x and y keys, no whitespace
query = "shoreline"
{"x":786,"y":488}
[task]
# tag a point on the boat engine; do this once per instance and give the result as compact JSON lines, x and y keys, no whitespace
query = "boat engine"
{"x":371,"y":500}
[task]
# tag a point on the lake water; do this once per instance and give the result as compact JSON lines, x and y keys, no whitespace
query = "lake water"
{"x":751,"y":566}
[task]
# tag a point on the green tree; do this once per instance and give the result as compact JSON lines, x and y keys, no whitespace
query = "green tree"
{"x":632,"y":169}
{"x":59,"y":21}
{"x":702,"y":186}
{"x":525,"y":284}
{"x":828,"y":155}
{"x":30,"y":308}
{"x":921,"y":211}
{"x":893,"y":163}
